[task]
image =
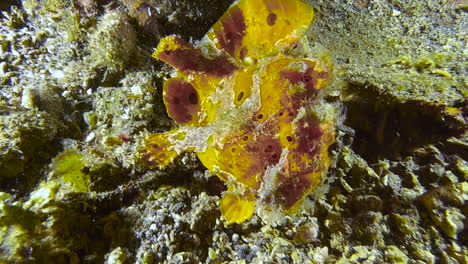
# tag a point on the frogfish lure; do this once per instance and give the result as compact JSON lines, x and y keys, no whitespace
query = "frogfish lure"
{"x":242,"y":103}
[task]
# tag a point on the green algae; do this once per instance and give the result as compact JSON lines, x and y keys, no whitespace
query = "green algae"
{"x":69,"y":166}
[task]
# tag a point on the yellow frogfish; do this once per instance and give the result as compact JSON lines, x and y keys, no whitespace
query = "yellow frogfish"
{"x":243,"y":104}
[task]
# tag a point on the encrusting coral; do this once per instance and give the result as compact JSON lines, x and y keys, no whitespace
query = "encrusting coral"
{"x":244,"y":105}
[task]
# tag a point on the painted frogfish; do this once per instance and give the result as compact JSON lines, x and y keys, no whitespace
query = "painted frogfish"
{"x":242,"y":103}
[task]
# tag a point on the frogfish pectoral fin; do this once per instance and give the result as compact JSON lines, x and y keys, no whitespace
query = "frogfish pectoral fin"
{"x":235,"y":208}
{"x":159,"y":148}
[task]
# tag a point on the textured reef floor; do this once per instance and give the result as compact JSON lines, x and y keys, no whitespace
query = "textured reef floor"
{"x":80,"y":92}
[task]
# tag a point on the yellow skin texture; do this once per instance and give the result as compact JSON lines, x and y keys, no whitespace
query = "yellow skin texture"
{"x":244,"y":108}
